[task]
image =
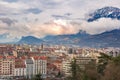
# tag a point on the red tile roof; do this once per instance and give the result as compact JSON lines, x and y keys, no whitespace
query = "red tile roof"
{"x":19,"y":63}
{"x":10,"y":57}
{"x":1,"y":57}
{"x":57,"y":62}
{"x":40,"y":57}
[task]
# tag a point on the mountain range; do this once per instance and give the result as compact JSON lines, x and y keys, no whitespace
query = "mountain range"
{"x":30,"y":40}
{"x":83,"y":39}
{"x":106,"y":39}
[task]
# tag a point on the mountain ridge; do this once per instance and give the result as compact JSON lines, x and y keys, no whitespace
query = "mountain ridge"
{"x":105,"y":12}
{"x":105,"y":39}
{"x":30,"y":40}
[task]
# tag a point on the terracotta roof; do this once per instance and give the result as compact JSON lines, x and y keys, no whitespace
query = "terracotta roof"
{"x":57,"y":61}
{"x":1,"y":57}
{"x":23,"y":57}
{"x":39,"y":57}
{"x":50,"y":65}
{"x":11,"y":57}
{"x":19,"y":63}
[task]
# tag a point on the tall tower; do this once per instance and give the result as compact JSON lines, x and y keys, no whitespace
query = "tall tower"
{"x":42,"y":46}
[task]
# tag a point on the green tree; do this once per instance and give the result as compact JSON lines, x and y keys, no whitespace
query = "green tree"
{"x":75,"y":70}
{"x":107,"y":68}
{"x":37,"y":77}
{"x":59,"y":75}
{"x":112,"y":71}
{"x":103,"y":62}
{"x":90,"y":71}
{"x":116,"y":60}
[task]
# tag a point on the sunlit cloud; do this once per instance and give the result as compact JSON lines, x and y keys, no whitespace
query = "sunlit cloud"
{"x":52,"y":17}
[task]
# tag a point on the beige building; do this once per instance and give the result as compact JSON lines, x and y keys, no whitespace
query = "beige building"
{"x":66,"y":67}
{"x":7,"y":66}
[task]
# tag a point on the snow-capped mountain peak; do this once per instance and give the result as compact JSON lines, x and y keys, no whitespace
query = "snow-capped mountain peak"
{"x":106,"y":12}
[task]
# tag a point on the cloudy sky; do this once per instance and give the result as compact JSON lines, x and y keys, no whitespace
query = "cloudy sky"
{"x":51,"y":17}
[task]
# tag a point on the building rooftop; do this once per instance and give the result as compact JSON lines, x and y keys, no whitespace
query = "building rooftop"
{"x":29,"y":61}
{"x":40,"y":57}
{"x":19,"y":63}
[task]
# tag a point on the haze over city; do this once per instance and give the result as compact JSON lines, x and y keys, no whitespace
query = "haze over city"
{"x":59,"y":39}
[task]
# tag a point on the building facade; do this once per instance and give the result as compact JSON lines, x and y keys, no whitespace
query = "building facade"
{"x":7,"y":66}
{"x":40,"y":65}
{"x":20,"y":68}
{"x":29,"y":68}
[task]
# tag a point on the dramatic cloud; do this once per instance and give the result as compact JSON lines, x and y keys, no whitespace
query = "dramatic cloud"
{"x":8,"y":21}
{"x":56,"y":27}
{"x":43,"y":17}
{"x":101,"y":25}
{"x":70,"y":27}
{"x":12,"y":32}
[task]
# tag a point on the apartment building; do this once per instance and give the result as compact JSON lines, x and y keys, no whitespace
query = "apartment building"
{"x":40,"y":65}
{"x":29,"y":68}
{"x":20,"y":68}
{"x":7,"y":66}
{"x":66,"y":67}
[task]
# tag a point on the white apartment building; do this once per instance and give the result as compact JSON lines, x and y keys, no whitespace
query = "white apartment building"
{"x":20,"y":71}
{"x":40,"y":65}
{"x":20,"y":68}
{"x":29,"y":68}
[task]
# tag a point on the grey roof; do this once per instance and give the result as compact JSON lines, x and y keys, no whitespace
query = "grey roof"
{"x":29,"y":61}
